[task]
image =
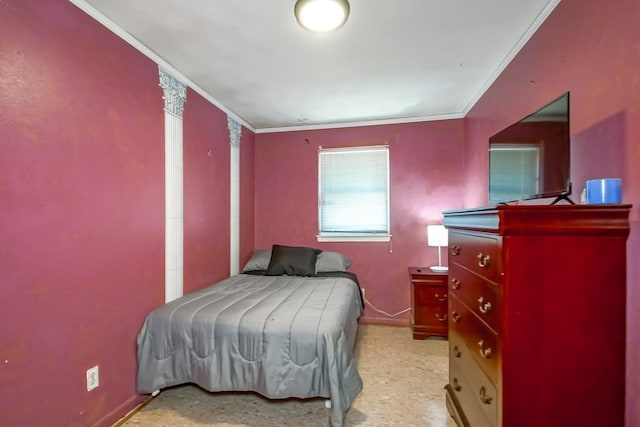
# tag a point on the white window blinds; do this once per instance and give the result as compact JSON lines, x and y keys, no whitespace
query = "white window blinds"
{"x":354,"y":191}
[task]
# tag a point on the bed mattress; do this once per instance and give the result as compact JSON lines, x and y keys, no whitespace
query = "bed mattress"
{"x":280,"y":336}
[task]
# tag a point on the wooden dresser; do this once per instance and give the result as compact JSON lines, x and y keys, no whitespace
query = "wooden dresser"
{"x":428,"y":302}
{"x":537,"y":315}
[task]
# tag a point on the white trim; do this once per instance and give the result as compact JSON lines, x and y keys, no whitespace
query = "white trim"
{"x":354,"y":238}
{"x":449,"y":116}
{"x":352,"y":149}
{"x":116,"y":29}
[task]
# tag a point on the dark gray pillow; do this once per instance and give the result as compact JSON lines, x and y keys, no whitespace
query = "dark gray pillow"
{"x":332,"y":261}
{"x":259,"y":260}
{"x":292,"y":261}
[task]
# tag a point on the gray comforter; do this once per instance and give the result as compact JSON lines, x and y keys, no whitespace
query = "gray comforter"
{"x":279,"y":336}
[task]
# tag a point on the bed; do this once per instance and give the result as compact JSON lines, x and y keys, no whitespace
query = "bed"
{"x":285,"y":327}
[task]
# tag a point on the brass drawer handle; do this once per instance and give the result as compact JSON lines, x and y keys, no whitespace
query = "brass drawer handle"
{"x":456,"y":385}
{"x":483,"y":260}
{"x":441,"y":318}
{"x":484,"y":307}
{"x":442,"y":298}
{"x":483,"y":396}
{"x":455,"y":283}
{"x":456,"y":317}
{"x":455,"y":250}
{"x":484,"y":352}
{"x":456,"y":352}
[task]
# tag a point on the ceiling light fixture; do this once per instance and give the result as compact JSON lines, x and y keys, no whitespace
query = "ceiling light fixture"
{"x":321,"y":15}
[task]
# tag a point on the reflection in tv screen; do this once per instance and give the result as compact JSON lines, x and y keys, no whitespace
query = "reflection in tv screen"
{"x":530,"y":158}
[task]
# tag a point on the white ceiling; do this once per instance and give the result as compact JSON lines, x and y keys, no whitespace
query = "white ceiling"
{"x":394,"y":61}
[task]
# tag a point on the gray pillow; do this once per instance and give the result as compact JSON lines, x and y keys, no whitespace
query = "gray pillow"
{"x":259,"y":260}
{"x":332,"y":261}
{"x":292,"y":261}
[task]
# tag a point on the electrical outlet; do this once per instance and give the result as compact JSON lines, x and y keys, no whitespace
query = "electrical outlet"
{"x":93,"y":378}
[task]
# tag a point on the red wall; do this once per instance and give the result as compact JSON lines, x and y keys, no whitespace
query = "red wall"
{"x":247,"y":195}
{"x":82,"y":223}
{"x":426,"y":175}
{"x":590,"y":48}
{"x":82,"y":190}
{"x":206,"y":193}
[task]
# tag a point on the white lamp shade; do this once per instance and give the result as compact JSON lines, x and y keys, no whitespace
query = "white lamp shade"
{"x":321,"y":15}
{"x":437,"y":235}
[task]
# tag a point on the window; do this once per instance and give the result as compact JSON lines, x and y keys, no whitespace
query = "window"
{"x":353,"y":199}
{"x":514,"y":172}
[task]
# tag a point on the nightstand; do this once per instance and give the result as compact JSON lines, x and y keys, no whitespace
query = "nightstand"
{"x":429,"y":305}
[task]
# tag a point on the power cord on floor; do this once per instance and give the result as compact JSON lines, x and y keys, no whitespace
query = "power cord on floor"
{"x":367,"y":302}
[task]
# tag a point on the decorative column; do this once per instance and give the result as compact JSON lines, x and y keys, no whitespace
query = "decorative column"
{"x":174,"y":96}
{"x":235,"y":130}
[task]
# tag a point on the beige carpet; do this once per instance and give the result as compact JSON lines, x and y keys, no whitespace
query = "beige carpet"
{"x":403,"y":378}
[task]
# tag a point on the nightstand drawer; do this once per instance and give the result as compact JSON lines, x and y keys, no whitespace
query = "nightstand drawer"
{"x":479,"y":254}
{"x":430,"y":295}
{"x":425,"y":275}
{"x":431,"y":315}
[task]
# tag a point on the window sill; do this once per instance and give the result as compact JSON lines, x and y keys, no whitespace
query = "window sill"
{"x":353,"y":237}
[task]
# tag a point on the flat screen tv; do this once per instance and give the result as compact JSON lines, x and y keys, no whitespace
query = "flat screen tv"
{"x":530,"y":158}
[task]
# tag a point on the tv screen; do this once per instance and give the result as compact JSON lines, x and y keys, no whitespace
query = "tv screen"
{"x":530,"y":158}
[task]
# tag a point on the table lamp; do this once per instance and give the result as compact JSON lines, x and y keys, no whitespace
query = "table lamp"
{"x":437,"y":235}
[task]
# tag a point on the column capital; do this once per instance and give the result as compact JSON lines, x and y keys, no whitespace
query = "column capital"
{"x":235,"y":131}
{"x":175,"y":93}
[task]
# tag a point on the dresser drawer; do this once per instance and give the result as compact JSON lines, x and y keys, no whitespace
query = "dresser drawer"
{"x":480,"y":341}
{"x":477,"y":398}
{"x":477,"y":253}
{"x":480,"y":295}
{"x":458,"y":350}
